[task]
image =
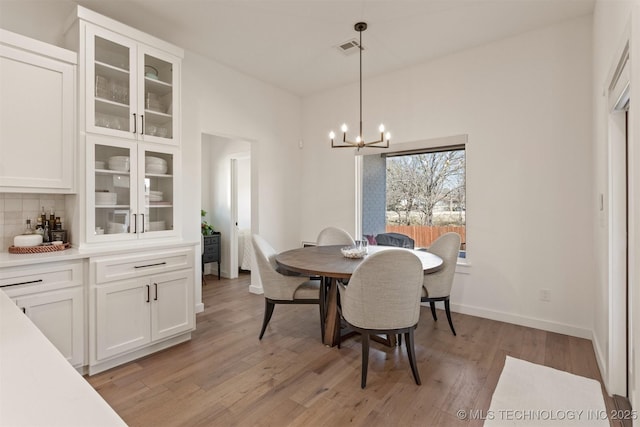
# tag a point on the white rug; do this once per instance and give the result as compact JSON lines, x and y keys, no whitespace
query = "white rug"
{"x":533,"y":395}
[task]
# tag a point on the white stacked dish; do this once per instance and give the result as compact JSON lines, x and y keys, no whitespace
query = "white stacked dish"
{"x":155,"y":196}
{"x":116,"y":228}
{"x":157,"y":226}
{"x":155,"y":165}
{"x":106,"y":198}
{"x":119,"y":163}
{"x":100,"y":164}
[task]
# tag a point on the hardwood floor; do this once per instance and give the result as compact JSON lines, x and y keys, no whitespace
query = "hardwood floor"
{"x":225,"y":376}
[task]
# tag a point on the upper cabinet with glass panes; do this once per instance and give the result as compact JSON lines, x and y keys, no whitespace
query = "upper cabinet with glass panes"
{"x":131,"y":81}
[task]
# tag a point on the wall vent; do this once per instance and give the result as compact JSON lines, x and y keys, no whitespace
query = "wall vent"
{"x":349,"y":47}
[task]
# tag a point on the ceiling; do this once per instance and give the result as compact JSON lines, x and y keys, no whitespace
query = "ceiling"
{"x":292,"y":44}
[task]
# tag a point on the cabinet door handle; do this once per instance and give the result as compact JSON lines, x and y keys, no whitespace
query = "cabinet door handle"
{"x":135,"y":123}
{"x":135,"y":223}
{"x":142,"y":129}
{"x":156,"y":288}
{"x":142,"y":223}
{"x":24,"y":310}
{"x":150,"y":265}
{"x":148,"y":292}
{"x":21,"y":283}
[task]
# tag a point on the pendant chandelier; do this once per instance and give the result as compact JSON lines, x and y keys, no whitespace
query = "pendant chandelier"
{"x":359,"y":141}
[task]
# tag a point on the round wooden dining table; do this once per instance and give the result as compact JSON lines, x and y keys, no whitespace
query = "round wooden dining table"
{"x":328,"y":261}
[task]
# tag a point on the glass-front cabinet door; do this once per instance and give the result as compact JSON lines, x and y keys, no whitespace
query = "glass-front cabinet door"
{"x":131,"y":188}
{"x":157,"y":198}
{"x":157,"y":94}
{"x":132,"y":89}
{"x":111,"y":84}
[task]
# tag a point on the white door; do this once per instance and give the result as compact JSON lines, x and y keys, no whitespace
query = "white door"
{"x":171,"y":304}
{"x":122,"y":317}
{"x":59,"y":316}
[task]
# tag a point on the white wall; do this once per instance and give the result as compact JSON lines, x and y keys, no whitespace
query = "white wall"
{"x":612,"y":20}
{"x":525,"y":103}
{"x":216,"y":100}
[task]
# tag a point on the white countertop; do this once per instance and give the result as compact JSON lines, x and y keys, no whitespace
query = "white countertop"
{"x":38,"y":387}
{"x":12,"y":260}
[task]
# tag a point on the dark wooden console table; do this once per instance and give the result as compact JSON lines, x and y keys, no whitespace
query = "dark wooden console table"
{"x":212,"y":250}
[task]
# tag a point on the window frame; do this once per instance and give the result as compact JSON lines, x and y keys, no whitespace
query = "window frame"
{"x":455,"y":142}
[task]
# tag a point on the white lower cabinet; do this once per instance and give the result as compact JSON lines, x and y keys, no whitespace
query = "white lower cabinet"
{"x":59,"y":315}
{"x":52,"y":296}
{"x":133,"y":313}
{"x":143,"y":302}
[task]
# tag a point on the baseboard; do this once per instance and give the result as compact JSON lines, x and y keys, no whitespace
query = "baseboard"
{"x":98,"y":367}
{"x":530,"y":322}
{"x":199,"y":307}
{"x":602,"y":363}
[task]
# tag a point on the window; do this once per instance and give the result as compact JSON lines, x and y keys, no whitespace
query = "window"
{"x":420,"y":193}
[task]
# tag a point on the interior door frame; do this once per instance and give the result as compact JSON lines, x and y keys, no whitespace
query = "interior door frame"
{"x":618,"y":226}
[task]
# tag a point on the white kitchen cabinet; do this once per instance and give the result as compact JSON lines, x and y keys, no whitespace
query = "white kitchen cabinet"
{"x":37,"y":116}
{"x":131,"y":81}
{"x":133,"y":313}
{"x":141,"y":302}
{"x":59,"y":315}
{"x":52,"y":296}
{"x":131,"y":189}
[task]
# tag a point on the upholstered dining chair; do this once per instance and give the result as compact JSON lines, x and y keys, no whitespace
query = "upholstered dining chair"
{"x":334,"y":236}
{"x":437,"y":286}
{"x":280,"y":288}
{"x":383,"y":297}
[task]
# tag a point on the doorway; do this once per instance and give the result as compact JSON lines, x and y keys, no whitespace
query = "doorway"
{"x":620,"y":349}
{"x":226,"y":196}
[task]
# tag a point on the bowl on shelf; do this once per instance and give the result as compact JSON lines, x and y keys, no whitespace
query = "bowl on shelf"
{"x":157,"y":225}
{"x":100,"y":164}
{"x":119,"y":163}
{"x":116,"y":228}
{"x":150,"y":160}
{"x":156,"y":169}
{"x":106,"y":198}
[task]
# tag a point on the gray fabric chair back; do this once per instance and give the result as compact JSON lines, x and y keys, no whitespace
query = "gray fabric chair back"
{"x":384,"y":291}
{"x":439,"y":284}
{"x":334,"y":236}
{"x":276,"y":286}
{"x":395,"y":239}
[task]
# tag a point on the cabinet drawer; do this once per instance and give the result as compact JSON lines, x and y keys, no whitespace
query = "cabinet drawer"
{"x":109,"y":269}
{"x":212,"y":240}
{"x":214,"y":256}
{"x":24,"y":280}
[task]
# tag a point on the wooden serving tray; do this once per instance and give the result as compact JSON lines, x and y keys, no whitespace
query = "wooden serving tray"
{"x":38,"y":249}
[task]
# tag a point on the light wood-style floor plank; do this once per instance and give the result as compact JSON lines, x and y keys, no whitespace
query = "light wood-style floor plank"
{"x":225,"y":376}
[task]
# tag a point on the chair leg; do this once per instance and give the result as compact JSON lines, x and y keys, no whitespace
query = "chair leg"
{"x":447,"y":309}
{"x":365,"y":359}
{"x":412,"y":355}
{"x":433,"y":310}
{"x":268,"y":312}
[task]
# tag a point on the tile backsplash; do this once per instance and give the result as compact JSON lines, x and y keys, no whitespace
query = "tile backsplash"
{"x":15,"y":208}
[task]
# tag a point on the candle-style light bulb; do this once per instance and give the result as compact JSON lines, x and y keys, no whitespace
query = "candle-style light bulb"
{"x":358,"y":139}
{"x":388,"y":135}
{"x":381,"y":128}
{"x":332,"y":135}
{"x":344,"y":127}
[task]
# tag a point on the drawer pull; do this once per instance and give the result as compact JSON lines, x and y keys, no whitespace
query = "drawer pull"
{"x":24,"y":310}
{"x":22,"y":283}
{"x":150,"y":265}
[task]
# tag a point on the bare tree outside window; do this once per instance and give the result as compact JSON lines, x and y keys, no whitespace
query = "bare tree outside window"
{"x":426,"y":189}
